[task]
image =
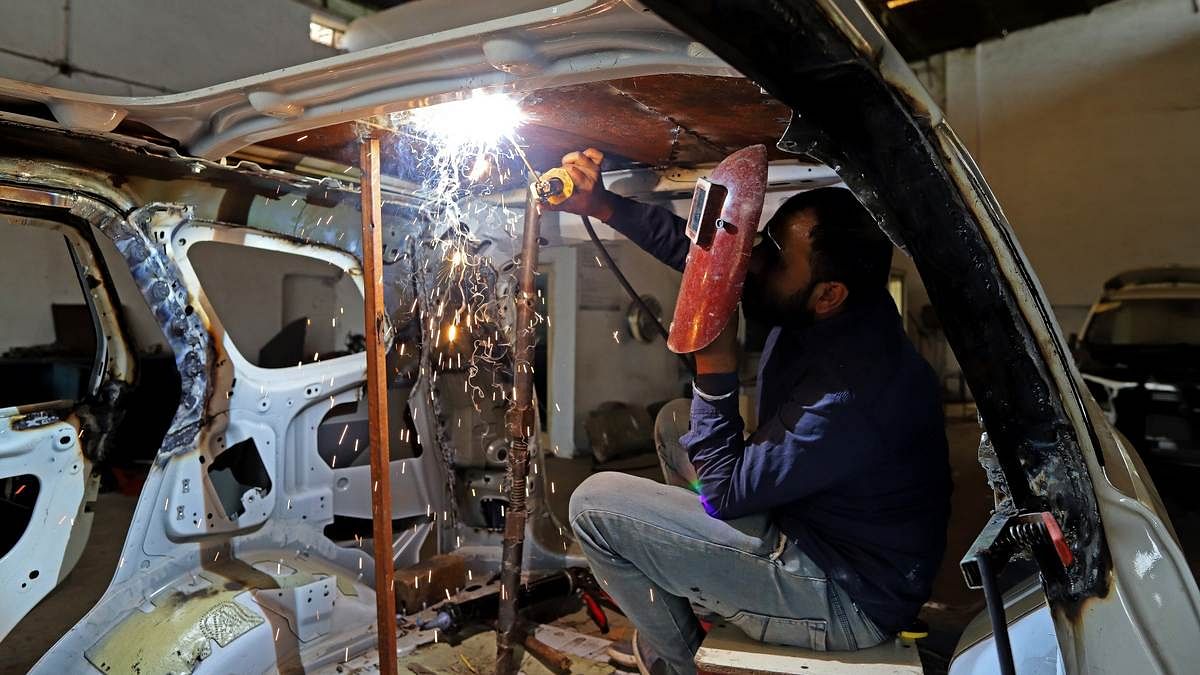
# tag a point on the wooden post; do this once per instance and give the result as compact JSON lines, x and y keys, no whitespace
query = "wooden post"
{"x":377,"y":409}
{"x":520,"y":427}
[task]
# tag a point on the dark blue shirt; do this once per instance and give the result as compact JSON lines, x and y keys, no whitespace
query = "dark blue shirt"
{"x":850,"y":455}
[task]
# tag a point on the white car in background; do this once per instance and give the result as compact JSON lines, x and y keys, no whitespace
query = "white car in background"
{"x":1139,"y":352}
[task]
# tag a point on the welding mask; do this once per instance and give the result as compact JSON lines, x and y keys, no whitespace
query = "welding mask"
{"x":721,"y":225}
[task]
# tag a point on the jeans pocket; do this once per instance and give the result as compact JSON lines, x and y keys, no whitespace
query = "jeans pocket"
{"x":804,"y":633}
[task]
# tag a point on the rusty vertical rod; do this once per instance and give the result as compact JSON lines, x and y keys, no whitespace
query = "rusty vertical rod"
{"x":381,"y":495}
{"x":520,"y":428}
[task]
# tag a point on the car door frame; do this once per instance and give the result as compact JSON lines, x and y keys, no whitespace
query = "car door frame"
{"x":59,"y":442}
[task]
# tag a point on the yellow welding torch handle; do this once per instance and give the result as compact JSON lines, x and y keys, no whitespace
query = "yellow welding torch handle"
{"x":555,"y":186}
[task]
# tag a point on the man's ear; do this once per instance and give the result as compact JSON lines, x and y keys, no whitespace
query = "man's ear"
{"x":829,"y":298}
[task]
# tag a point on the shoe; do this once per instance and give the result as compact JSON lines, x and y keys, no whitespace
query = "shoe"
{"x":643,"y":669}
{"x":627,"y":655}
{"x":621,"y":654}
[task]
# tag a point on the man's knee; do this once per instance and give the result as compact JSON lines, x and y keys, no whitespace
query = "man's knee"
{"x":672,"y":422}
{"x":608,"y":491}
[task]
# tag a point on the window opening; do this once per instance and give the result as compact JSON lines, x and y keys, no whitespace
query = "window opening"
{"x":342,"y":437}
{"x":280,"y":309}
{"x":47,"y":331}
{"x":324,"y":30}
{"x":236,"y":472}
{"x":18,"y":497}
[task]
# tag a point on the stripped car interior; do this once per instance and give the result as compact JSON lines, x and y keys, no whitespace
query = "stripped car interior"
{"x":250,"y":547}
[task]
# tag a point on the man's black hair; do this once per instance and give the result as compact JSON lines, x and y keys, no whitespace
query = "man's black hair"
{"x":847,"y":244}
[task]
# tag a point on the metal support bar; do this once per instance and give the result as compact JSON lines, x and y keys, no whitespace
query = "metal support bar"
{"x":377,"y":409}
{"x":520,"y":428}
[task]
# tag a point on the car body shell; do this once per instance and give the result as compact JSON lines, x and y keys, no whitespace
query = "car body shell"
{"x":220,"y":595}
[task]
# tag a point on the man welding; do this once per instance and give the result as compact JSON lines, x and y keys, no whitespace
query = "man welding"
{"x":825,"y":527}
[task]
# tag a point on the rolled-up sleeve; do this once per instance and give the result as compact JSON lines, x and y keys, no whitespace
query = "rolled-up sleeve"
{"x":803,"y":449}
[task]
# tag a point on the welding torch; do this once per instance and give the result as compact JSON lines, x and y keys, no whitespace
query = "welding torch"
{"x":554,"y":187}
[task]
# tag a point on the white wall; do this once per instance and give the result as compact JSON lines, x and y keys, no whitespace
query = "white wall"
{"x":36,"y":271}
{"x":620,"y":368}
{"x":147,"y":47}
{"x":1088,"y":130}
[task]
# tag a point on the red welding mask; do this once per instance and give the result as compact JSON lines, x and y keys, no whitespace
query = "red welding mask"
{"x":722,"y":224}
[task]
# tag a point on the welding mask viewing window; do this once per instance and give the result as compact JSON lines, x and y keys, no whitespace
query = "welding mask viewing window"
{"x":722,"y":226}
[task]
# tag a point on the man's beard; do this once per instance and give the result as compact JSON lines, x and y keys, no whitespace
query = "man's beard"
{"x":792,"y":312}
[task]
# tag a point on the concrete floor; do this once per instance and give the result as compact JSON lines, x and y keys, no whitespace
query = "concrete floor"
{"x":67,"y":604}
{"x":950,"y":608}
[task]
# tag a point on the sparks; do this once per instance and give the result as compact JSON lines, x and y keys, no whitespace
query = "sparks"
{"x":464,"y":149}
{"x":481,"y":121}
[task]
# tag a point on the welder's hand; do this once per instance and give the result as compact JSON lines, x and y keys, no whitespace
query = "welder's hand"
{"x":589,"y":198}
{"x":722,"y":355}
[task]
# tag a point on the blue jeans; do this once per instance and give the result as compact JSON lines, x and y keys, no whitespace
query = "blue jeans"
{"x":656,"y":552}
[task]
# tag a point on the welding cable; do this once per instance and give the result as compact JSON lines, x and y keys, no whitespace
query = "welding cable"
{"x":629,"y":290}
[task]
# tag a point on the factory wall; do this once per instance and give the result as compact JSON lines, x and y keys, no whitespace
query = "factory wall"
{"x":37,"y":261}
{"x":1086,"y":130}
{"x":611,"y":365}
{"x":131,"y":48}
{"x":144,"y":48}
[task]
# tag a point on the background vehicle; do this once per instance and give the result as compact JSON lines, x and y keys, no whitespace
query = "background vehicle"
{"x":1139,"y":352}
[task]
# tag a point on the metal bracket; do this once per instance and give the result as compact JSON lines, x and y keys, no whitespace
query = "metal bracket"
{"x":1007,"y":533}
